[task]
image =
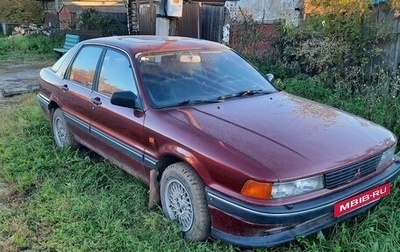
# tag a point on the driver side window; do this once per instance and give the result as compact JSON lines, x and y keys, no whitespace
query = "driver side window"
{"x":116,"y":74}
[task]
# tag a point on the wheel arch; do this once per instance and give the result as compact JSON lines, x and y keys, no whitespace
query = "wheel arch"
{"x":165,"y":161}
{"x":185,"y":157}
{"x":52,"y":106}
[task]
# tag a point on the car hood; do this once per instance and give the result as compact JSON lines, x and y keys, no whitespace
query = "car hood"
{"x":291,"y":136}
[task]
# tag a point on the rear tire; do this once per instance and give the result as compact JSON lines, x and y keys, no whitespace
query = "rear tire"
{"x":183,"y":199}
{"x":62,"y":135}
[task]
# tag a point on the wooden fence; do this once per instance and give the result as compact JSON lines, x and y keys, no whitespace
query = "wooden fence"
{"x":392,"y":47}
{"x":198,"y":21}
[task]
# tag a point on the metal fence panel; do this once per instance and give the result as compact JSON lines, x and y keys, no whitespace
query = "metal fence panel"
{"x":212,"y":22}
{"x":189,"y":23}
{"x":147,"y":20}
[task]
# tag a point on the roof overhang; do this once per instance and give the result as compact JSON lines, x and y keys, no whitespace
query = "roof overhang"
{"x":103,"y":8}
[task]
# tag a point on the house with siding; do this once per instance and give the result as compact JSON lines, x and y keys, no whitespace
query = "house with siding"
{"x":251,"y":25}
{"x":266,"y":11}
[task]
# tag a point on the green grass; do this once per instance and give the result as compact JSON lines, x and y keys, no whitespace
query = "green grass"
{"x":72,"y":200}
{"x":18,"y":49}
{"x":76,"y":201}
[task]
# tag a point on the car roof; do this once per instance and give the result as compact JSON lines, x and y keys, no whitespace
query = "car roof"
{"x":138,"y":44}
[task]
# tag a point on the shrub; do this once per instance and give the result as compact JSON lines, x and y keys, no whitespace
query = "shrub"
{"x":336,"y":57}
{"x":37,"y":44}
{"x":334,"y":46}
{"x":92,"y":20}
{"x":21,"y":11}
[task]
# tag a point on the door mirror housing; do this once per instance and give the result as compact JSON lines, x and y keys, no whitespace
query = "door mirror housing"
{"x":270,"y":77}
{"x":125,"y":99}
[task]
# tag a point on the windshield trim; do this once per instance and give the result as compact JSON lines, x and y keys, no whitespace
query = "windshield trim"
{"x":169,"y":81}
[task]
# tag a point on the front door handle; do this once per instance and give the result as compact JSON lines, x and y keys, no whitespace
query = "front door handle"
{"x":65,"y":87}
{"x":96,"y":101}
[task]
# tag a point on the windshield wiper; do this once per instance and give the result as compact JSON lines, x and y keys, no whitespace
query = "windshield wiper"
{"x":245,"y":93}
{"x":224,"y":97}
{"x":194,"y":102}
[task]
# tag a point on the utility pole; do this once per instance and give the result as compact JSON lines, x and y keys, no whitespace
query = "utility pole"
{"x":167,"y":12}
{"x":56,"y":5}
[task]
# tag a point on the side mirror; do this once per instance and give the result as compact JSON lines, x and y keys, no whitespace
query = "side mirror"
{"x":270,"y":77}
{"x":125,"y":99}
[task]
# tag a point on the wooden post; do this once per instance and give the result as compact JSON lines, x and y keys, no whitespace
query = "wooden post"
{"x":4,"y":27}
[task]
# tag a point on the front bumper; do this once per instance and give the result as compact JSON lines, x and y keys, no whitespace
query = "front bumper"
{"x":290,"y":221}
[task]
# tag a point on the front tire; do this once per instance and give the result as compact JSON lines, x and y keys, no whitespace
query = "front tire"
{"x":62,"y":135}
{"x":183,"y":199}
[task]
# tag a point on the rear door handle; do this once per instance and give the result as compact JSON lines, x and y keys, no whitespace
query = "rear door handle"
{"x":96,"y":101}
{"x":65,"y":87}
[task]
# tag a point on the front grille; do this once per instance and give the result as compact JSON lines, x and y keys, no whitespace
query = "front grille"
{"x":352,"y":172}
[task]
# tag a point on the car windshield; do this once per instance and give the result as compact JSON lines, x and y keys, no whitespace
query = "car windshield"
{"x":186,"y":78}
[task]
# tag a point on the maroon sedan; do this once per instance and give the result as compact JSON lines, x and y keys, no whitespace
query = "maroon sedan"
{"x":227,"y":153}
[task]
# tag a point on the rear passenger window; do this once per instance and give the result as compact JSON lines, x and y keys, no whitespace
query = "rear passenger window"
{"x":116,"y":74}
{"x":84,"y":66}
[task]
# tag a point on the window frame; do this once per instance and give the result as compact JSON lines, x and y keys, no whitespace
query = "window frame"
{"x":101,"y":62}
{"x":95,"y":76}
{"x":98,"y":67}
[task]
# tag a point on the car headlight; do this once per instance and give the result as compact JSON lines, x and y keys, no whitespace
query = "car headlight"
{"x":297,"y":187}
{"x":387,"y":155}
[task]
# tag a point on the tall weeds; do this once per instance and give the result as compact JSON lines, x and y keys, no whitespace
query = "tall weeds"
{"x":38,"y":44}
{"x":338,"y":56}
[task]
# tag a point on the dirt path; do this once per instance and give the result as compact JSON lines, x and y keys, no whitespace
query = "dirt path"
{"x":18,"y":79}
